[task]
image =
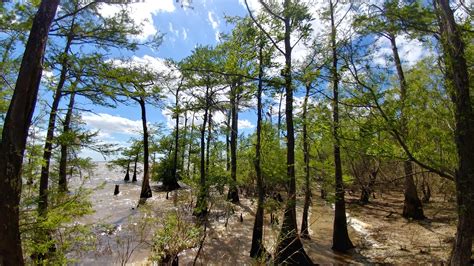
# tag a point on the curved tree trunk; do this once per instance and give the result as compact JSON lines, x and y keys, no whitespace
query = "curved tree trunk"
{"x":257,"y":249}
{"x":340,"y":237}
{"x":15,"y":133}
{"x":307,"y":194}
{"x":145,"y":192}
{"x":457,"y":78}
{"x":412,"y":207}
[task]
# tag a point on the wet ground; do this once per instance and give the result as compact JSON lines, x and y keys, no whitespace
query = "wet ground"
{"x":380,"y":234}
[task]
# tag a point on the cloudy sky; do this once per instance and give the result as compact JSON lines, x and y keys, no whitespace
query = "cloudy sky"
{"x":183,"y":29}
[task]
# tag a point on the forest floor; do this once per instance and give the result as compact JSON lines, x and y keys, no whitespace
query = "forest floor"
{"x":377,"y":229}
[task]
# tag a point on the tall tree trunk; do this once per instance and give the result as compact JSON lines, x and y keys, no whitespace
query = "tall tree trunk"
{"x":227,"y":140}
{"x":257,"y":248}
{"x":190,"y":144}
{"x":290,"y":248}
{"x":457,"y":81}
{"x":208,"y":141}
{"x":279,"y":114}
{"x":172,"y":183}
{"x":340,"y":237}
{"x":184,"y":139}
{"x":48,"y":146}
{"x":233,"y":195}
{"x":412,"y":207}
{"x":62,"y":183}
{"x":145,"y":192}
{"x":15,"y":133}
{"x":201,"y":204}
{"x":307,"y":194}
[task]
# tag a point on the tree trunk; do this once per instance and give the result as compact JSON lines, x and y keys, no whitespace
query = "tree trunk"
{"x":190,"y":144}
{"x":279,"y":114}
{"x":412,"y":207}
{"x":48,"y":146}
{"x":340,"y":237}
{"x":172,"y":183}
{"x":146,"y":190}
{"x":233,"y":195}
{"x":307,"y":194}
{"x":208,"y":141}
{"x":201,"y":204}
{"x":257,"y":249}
{"x":15,"y":133}
{"x":134,"y":177}
{"x":62,"y":183}
{"x":127,"y":175}
{"x":290,"y":248}
{"x":227,"y":141}
{"x":185,"y":138}
{"x":457,"y":81}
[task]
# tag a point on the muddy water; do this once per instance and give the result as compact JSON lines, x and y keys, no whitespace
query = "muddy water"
{"x":117,"y":222}
{"x":224,"y":245}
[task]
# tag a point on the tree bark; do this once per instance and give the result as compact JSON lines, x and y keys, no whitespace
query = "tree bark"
{"x":185,"y":138}
{"x":457,"y":82}
{"x":307,"y":194}
{"x":201,"y":204}
{"x":62,"y":183}
{"x":134,"y":177}
{"x":233,"y":195}
{"x":48,"y":146}
{"x":190,"y":144}
{"x":290,"y":248}
{"x":127,"y":175}
{"x":172,"y":183}
{"x":412,"y":207}
{"x":227,"y":141}
{"x":145,"y":192}
{"x":15,"y":133}
{"x":257,"y":248}
{"x":340,"y":237}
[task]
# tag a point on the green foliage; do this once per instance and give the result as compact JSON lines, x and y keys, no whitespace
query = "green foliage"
{"x":176,"y":235}
{"x":59,"y":228}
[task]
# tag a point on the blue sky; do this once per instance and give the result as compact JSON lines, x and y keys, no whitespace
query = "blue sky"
{"x":184,"y":28}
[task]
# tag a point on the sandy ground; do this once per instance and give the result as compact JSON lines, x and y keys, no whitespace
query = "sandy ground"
{"x":380,"y":234}
{"x":401,"y":241}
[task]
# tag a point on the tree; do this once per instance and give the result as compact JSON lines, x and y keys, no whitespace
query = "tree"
{"x":457,"y":82}
{"x":340,"y":238}
{"x":294,"y":19}
{"x":199,"y":68}
{"x":383,"y":22}
{"x":15,"y":132}
{"x":140,"y":85}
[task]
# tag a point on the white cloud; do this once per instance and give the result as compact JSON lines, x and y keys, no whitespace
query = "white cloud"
{"x":142,"y":13}
{"x":245,"y":124}
{"x":410,"y":51}
{"x":185,"y":34}
{"x":109,"y":124}
{"x":214,"y":23}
